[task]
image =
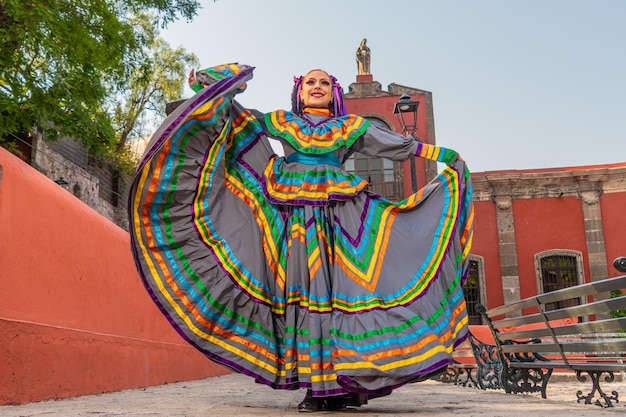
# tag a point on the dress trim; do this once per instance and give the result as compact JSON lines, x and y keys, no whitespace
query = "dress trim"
{"x":307,"y":137}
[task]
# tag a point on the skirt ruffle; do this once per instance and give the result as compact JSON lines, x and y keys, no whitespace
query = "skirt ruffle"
{"x":317,"y":185}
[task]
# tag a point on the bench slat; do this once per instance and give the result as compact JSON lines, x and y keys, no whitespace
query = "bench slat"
{"x":595,"y":307}
{"x":592,"y":288}
{"x":574,"y":347}
{"x":573,"y":366}
{"x":594,"y":327}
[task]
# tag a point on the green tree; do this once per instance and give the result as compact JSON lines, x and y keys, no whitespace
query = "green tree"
{"x":58,"y":60}
{"x":157,"y":78}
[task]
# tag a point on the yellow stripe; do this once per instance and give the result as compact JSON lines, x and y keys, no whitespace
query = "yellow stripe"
{"x":326,"y":377}
{"x":392,"y":365}
{"x":304,"y":370}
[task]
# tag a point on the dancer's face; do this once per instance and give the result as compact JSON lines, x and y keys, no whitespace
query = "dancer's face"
{"x":317,"y":89}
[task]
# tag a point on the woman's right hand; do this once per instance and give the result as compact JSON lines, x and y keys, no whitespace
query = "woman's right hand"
{"x":192,"y":77}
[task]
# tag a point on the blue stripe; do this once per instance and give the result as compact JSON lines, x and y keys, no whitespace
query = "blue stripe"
{"x":311,"y":159}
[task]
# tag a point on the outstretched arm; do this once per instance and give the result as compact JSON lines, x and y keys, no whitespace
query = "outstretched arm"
{"x":384,"y":143}
{"x":203,"y":78}
{"x":436,"y":153}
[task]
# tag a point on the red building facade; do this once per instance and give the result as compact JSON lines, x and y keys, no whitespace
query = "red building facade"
{"x":535,"y":230}
{"x":540,"y":230}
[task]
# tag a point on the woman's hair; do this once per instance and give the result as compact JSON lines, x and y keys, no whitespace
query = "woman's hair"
{"x":336,"y":105}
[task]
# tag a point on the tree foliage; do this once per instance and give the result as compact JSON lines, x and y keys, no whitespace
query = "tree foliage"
{"x":154,"y":80}
{"x":60,"y":61}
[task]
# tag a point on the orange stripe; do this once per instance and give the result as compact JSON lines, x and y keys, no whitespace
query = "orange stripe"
{"x":389,"y":353}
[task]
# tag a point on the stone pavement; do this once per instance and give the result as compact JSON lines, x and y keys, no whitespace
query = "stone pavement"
{"x":236,"y":395}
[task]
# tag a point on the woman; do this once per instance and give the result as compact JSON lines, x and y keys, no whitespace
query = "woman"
{"x":286,"y":268}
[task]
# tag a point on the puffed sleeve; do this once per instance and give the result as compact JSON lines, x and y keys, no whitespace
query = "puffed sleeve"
{"x":201,"y":79}
{"x":384,"y":143}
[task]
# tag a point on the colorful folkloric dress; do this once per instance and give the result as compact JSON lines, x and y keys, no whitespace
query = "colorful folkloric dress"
{"x":286,"y":268}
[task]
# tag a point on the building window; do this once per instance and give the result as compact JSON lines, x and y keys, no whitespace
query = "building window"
{"x":473,"y":289}
{"x":557,"y":270}
{"x":382,"y":174}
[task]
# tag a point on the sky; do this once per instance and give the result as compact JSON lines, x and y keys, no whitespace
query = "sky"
{"x":516,"y":84}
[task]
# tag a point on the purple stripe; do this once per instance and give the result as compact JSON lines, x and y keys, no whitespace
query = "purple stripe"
{"x":306,"y":202}
{"x":422,"y":375}
{"x":312,"y":123}
{"x":356,"y":241}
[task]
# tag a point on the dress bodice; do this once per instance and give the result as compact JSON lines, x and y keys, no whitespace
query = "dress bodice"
{"x":315,"y":146}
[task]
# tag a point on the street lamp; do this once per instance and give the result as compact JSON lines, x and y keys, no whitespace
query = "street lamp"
{"x":403,"y":109}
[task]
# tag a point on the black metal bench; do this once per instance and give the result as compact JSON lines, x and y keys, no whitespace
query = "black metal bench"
{"x":532,"y":346}
{"x":476,"y":362}
{"x":489,"y":365}
{"x":463,"y":370}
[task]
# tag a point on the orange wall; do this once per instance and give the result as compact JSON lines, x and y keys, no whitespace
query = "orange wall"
{"x":614,"y":220}
{"x":485,"y":245}
{"x":546,"y":224}
{"x":74,"y":316}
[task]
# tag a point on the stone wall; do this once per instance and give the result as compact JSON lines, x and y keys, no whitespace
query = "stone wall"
{"x":97,"y":185}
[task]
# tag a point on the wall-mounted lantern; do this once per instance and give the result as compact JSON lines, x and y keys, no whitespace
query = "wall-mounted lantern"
{"x":406,"y":112}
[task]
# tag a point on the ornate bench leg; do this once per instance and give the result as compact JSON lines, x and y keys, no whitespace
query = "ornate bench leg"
{"x":489,"y":370}
{"x":460,"y":380}
{"x":595,"y":378}
{"x":521,"y":380}
{"x":449,"y":376}
{"x":469,"y":380}
{"x":473,"y":382}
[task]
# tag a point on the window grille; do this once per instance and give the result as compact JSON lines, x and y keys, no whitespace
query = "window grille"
{"x":557,"y":272}
{"x":471,"y":292}
{"x":384,"y":176}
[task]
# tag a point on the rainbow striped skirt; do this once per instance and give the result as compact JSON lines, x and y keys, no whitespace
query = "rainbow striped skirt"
{"x":361,"y":295}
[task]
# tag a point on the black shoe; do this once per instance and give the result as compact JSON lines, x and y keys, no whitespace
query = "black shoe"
{"x":335,"y":403}
{"x":357,"y":400}
{"x":310,"y":403}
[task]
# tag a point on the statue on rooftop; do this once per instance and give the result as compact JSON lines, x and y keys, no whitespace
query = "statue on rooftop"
{"x":363,"y":58}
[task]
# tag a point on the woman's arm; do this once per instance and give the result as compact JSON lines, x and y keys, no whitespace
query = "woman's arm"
{"x":384,"y":143}
{"x":198,"y":80}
